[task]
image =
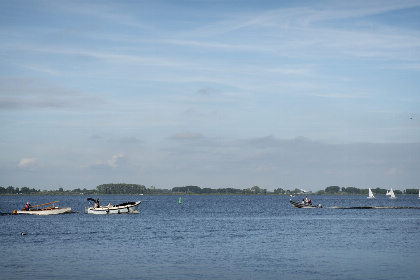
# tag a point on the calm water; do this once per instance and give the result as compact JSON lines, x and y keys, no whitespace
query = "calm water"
{"x":213,"y":237}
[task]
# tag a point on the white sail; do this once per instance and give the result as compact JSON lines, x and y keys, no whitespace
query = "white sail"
{"x":391,"y":193}
{"x":370,"y":194}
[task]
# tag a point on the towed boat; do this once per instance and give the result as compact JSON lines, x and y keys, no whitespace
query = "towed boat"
{"x":48,"y":210}
{"x":126,"y":207}
{"x":304,"y":205}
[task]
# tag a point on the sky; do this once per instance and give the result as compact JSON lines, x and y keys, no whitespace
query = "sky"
{"x":217,"y":94}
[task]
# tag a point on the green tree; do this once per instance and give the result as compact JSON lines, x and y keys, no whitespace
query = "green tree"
{"x":411,"y":191}
{"x":279,"y":191}
{"x":25,"y":190}
{"x":256,"y":189}
{"x":10,"y":190}
{"x":332,"y":189}
{"x":351,"y":190}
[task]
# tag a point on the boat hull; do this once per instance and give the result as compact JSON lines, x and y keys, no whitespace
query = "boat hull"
{"x":47,"y":211}
{"x":303,"y":205}
{"x":124,"y":208}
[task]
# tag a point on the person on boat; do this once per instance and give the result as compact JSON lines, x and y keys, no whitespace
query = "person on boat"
{"x":96,"y":204}
{"x":309,"y":201}
{"x":27,"y":206}
{"x":306,"y":200}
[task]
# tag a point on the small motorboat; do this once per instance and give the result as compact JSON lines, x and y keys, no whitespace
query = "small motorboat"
{"x":126,"y":207}
{"x":304,"y":205}
{"x":48,"y":210}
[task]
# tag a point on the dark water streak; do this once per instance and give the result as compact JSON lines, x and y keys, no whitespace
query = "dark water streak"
{"x":213,"y":237}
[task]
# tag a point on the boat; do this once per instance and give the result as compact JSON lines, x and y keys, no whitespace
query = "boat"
{"x":419,"y":195}
{"x":391,"y":194}
{"x":371,"y":196}
{"x":47,"y":210}
{"x":304,"y":205}
{"x":126,"y":207}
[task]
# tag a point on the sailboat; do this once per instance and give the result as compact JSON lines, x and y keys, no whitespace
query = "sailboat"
{"x":419,"y":194}
{"x":391,"y":193}
{"x":370,"y":194}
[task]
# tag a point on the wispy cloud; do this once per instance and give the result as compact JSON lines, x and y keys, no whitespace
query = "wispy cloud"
{"x":114,"y":162}
{"x":27,"y":163}
{"x":216,"y":94}
{"x":18,"y":93}
{"x":341,"y":95}
{"x":247,"y":159}
{"x":321,"y":12}
{"x":95,"y":11}
{"x":186,"y":136}
{"x":129,"y":140}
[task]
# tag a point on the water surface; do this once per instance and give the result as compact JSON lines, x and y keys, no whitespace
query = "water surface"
{"x":213,"y":237}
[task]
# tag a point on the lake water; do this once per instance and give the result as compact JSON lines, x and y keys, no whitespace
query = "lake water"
{"x":213,"y":237}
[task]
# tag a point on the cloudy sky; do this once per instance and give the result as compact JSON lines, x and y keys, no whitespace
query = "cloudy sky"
{"x":290,"y":94}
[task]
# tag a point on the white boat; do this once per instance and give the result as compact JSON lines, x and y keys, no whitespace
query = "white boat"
{"x":371,"y":196}
{"x":49,"y":210}
{"x":391,"y":194}
{"x":126,"y":207}
{"x":419,"y":195}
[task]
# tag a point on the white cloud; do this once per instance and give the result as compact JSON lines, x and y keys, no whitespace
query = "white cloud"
{"x":115,"y":161}
{"x":27,"y":163}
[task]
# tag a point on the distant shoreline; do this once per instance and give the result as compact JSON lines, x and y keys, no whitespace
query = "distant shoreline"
{"x":137,"y":189}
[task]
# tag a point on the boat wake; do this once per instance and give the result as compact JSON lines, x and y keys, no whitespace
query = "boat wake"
{"x":374,"y":207}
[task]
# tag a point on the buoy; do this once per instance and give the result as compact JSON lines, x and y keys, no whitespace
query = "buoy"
{"x":179,"y":200}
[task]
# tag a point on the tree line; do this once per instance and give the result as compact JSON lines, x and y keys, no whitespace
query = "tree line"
{"x":353,"y":190}
{"x":123,"y":188}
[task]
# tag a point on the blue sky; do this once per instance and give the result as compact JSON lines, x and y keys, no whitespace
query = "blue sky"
{"x":290,"y":94}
